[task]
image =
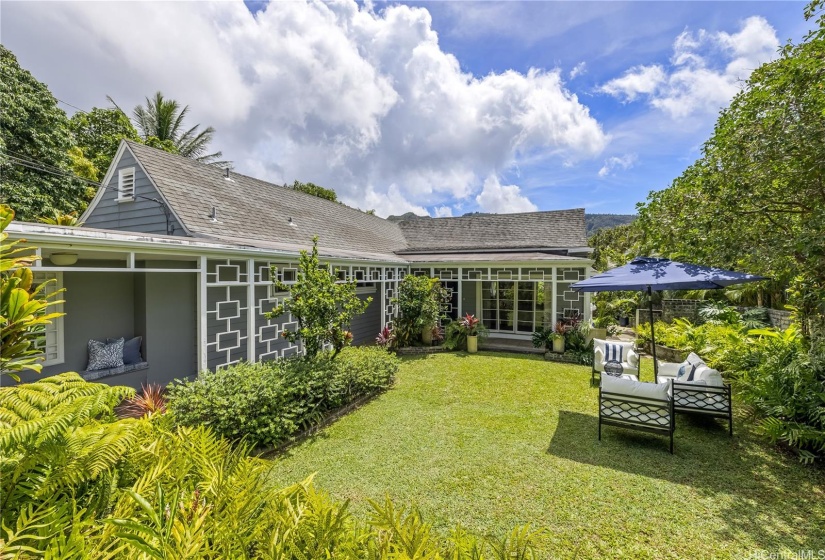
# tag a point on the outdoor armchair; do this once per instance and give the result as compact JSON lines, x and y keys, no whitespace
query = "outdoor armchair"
{"x":614,"y":351}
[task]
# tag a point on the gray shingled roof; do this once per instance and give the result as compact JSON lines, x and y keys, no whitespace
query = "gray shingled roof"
{"x":254,"y":212}
{"x":554,"y":229}
{"x":497,"y":256}
{"x":250,"y":209}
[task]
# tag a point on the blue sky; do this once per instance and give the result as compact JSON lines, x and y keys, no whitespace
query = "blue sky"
{"x":609,"y":37}
{"x":432,"y":107}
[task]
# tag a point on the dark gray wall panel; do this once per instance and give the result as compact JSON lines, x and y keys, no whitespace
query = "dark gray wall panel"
{"x":171,"y":326}
{"x":365,"y":327}
{"x":468,"y":298}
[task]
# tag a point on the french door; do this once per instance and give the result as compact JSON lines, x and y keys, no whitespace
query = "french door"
{"x":509,"y":306}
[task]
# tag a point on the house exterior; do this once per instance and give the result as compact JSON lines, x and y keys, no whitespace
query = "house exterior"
{"x":181,"y":253}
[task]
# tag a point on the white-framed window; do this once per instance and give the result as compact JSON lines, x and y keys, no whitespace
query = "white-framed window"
{"x":126,"y":184}
{"x":52,"y":342}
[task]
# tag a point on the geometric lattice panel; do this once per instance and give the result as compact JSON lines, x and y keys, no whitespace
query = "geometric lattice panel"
{"x":226,"y":325}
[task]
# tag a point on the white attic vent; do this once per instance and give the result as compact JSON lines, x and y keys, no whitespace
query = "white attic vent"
{"x":126,"y":185}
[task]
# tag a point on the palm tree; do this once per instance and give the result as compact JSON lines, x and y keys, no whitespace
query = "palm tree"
{"x":160,"y":122}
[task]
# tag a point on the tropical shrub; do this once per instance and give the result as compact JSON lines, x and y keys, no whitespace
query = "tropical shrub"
{"x":421,"y":301}
{"x":151,"y":400}
{"x":24,"y":308}
{"x":322,"y":306}
{"x":576,"y":343}
{"x":386,"y":338}
{"x":266,"y":403}
{"x":95,"y":487}
{"x":785,"y":386}
{"x":719,"y":312}
{"x":59,"y":438}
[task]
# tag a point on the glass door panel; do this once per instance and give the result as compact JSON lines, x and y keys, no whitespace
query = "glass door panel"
{"x":506,"y":296}
{"x":526,"y":306}
{"x":489,"y":304}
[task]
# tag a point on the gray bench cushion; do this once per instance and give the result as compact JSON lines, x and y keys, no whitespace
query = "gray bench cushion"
{"x":94,"y":374}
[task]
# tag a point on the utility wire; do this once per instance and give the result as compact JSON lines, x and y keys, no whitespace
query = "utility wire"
{"x":70,"y":105}
{"x":43,"y":167}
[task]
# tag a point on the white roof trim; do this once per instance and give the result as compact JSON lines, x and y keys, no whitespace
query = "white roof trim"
{"x":49,"y":236}
{"x":106,"y":179}
{"x":110,"y":173}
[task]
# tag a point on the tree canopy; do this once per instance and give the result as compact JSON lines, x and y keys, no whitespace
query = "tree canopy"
{"x":34,"y":132}
{"x":755,"y":199}
{"x":314,"y":190}
{"x":160,"y":123}
{"x":98,"y":133}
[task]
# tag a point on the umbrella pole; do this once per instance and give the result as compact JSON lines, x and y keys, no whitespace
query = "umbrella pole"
{"x":652,"y":335}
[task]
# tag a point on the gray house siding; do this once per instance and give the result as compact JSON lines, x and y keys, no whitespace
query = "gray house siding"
{"x":365,"y":327}
{"x":140,"y":215}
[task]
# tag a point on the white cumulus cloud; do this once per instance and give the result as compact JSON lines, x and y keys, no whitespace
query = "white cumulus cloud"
{"x":443,"y":212}
{"x":706,"y":70}
{"x":503,"y":199}
{"x":614,"y":163}
{"x":361,"y":100}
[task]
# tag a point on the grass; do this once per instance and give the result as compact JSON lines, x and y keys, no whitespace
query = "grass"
{"x":491,"y":441}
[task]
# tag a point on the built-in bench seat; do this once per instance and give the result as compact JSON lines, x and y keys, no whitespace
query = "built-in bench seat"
{"x":95,"y":374}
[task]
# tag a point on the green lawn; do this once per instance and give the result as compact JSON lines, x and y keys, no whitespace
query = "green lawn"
{"x":497,"y":440}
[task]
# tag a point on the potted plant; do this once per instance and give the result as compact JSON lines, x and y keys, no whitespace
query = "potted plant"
{"x":471,"y":326}
{"x":558,"y":337}
{"x":599,"y":328}
{"x":421,"y":303}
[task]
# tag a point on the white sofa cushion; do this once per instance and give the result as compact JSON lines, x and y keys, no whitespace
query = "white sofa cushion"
{"x":694,"y":359}
{"x":630,"y":388}
{"x":708,"y":375}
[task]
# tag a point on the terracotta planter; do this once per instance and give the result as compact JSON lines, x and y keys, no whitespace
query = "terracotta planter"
{"x":472,"y":344}
{"x":558,"y":345}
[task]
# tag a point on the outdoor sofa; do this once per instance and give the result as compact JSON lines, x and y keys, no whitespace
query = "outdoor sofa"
{"x":698,"y":389}
{"x":625,"y":402}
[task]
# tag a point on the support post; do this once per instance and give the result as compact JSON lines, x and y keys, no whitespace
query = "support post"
{"x":250,"y":311}
{"x":653,"y":336}
{"x":202,"y":309}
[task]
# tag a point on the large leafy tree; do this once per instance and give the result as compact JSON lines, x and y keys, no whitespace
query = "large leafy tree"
{"x":34,"y":132}
{"x":161,"y":122}
{"x":97,"y":134}
{"x":755,"y":200}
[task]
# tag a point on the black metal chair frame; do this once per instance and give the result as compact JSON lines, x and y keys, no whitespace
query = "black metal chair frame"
{"x":696,"y":399}
{"x":639,"y":407}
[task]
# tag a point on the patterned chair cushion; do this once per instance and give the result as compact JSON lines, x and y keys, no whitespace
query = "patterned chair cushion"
{"x":104,"y":355}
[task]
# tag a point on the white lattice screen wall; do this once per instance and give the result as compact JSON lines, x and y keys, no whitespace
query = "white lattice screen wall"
{"x":240,"y":292}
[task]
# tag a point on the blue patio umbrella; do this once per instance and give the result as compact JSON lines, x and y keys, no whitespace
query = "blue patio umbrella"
{"x":651,"y":274}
